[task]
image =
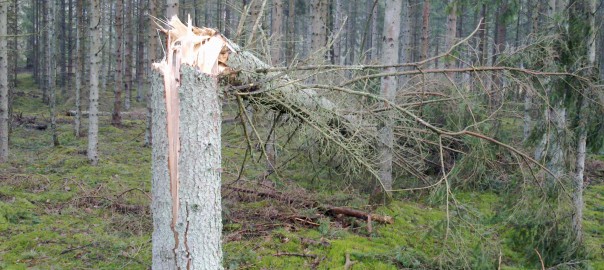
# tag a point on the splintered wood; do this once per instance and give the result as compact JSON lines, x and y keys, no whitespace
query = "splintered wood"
{"x":203,"y":48}
{"x":207,"y":51}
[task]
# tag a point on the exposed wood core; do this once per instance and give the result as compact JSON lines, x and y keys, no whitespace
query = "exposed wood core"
{"x":202,"y":48}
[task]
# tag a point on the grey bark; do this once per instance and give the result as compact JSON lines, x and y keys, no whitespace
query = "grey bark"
{"x":140,"y":51}
{"x":80,"y":66}
{"x":405,"y":36}
{"x":582,"y":127}
{"x":62,"y":39}
{"x":532,"y":28}
{"x":451,"y":30}
{"x":44,"y":78}
{"x":70,"y":46}
{"x":95,"y":59}
{"x":551,"y":146}
{"x":3,"y":82}
{"x":116,"y":118}
{"x":107,"y":48}
{"x":128,"y":44}
{"x":374,"y":32}
{"x":151,"y":58}
{"x":351,"y":38}
{"x":199,"y":223}
{"x":277,"y":59}
{"x":171,"y":8}
{"x":51,"y":70}
{"x":291,"y":31}
{"x":390,"y":51}
{"x":339,"y":19}
{"x":425,"y":30}
{"x":13,"y":46}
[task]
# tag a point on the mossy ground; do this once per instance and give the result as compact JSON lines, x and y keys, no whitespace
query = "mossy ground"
{"x":57,"y":211}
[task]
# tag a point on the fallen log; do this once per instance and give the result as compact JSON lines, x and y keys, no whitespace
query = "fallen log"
{"x":327,"y":209}
{"x":358,"y":214}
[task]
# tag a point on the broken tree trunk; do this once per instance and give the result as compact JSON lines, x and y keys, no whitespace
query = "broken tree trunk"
{"x":186,"y":126}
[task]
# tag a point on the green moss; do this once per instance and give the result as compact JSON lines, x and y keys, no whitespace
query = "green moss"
{"x":46,"y":221}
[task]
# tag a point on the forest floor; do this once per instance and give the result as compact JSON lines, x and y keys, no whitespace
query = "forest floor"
{"x":58,"y":212}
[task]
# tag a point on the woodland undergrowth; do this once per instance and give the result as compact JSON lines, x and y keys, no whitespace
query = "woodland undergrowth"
{"x":58,"y":211}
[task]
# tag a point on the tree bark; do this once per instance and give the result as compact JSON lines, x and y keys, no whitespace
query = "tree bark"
{"x":43,"y":50}
{"x":80,"y":66}
{"x":95,"y":60}
{"x":140,"y":51}
{"x":128,"y":44}
{"x":198,"y":225}
{"x":451,"y":31}
{"x":51,"y":70}
{"x":590,"y":40}
{"x":13,"y":46}
{"x":171,"y":8}
{"x":291,"y":31}
{"x":551,"y":146}
{"x":351,"y":39}
{"x":151,"y":58}
{"x":405,"y":36}
{"x":70,"y":47}
{"x":62,"y":39}
{"x":277,"y":59}
{"x":3,"y":82}
{"x":116,"y":118}
{"x":425,"y":30}
{"x":390,"y":51}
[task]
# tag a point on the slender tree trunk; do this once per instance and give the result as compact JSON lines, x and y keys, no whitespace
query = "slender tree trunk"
{"x":451,"y":30}
{"x":79,"y":71}
{"x":70,"y":47}
{"x":367,"y":47}
{"x":551,"y":146}
{"x":390,"y":51}
{"x":496,"y":91}
{"x":36,"y":41}
{"x":590,"y":10}
{"x":104,"y":20}
{"x":405,"y":36}
{"x":227,"y":20}
{"x":416,"y":17}
{"x":129,"y":43}
{"x":172,"y":8}
{"x":95,"y":60}
{"x":44,"y":50}
{"x":291,"y":31}
{"x":482,"y":45}
{"x":116,"y":118}
{"x":277,"y":59}
{"x":51,"y":69}
{"x":375,"y":35}
{"x":63,"y":48}
{"x":13,"y":48}
{"x":140,"y":51}
{"x":190,"y":237}
{"x":152,"y":58}
{"x":352,"y":31}
{"x":3,"y":82}
{"x":425,"y":30}
{"x":107,"y":47}
{"x":318,"y":28}
{"x":533,"y":28}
